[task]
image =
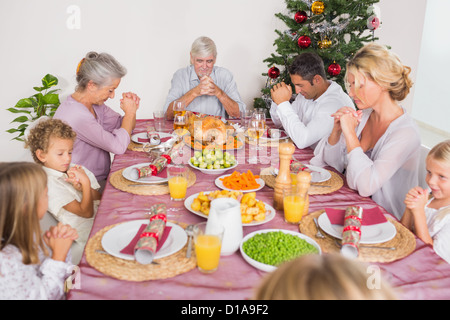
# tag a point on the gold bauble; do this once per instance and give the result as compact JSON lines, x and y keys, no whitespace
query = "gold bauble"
{"x":324,"y":44}
{"x":318,"y":7}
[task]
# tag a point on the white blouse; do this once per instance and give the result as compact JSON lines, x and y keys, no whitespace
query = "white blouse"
{"x":31,"y":282}
{"x":439,"y":229}
{"x":387,"y":172}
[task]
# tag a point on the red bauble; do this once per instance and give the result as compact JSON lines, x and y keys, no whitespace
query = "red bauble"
{"x":273,"y":73}
{"x":304,"y":42}
{"x":334,"y":69}
{"x":300,"y":17}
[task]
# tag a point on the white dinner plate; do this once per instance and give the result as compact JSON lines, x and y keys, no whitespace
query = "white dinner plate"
{"x":318,"y":174}
{"x":267,"y":267}
{"x":143,"y":135}
{"x":219,"y":184}
{"x":131,"y":174}
{"x":377,"y":233}
{"x":117,"y":238}
{"x":270,"y":211}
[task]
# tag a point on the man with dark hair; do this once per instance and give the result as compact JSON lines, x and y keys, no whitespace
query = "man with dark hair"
{"x":308,"y":119}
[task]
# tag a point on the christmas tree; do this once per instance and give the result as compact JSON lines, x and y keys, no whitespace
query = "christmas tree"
{"x":334,"y":29}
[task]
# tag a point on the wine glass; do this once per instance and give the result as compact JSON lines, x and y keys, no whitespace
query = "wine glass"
{"x":257,"y":126}
{"x":179,"y":108}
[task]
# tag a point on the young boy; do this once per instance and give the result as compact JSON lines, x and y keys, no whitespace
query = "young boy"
{"x":72,"y":189}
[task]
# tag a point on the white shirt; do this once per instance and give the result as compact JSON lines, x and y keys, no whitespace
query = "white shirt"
{"x":186,"y":79}
{"x":439,"y":229}
{"x":61,"y":193}
{"x":386,"y":173}
{"x":31,"y":282}
{"x":308,"y":121}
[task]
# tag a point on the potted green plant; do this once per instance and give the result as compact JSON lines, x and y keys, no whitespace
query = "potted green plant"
{"x":43,"y":103}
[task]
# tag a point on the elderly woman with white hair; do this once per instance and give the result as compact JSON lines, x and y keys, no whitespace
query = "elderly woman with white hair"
{"x":100,"y":130}
{"x":204,"y":87}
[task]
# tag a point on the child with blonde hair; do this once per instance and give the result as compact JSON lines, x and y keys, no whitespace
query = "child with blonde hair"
{"x":322,"y":277}
{"x":27,"y":271}
{"x":429,"y":217}
{"x":73,"y":189}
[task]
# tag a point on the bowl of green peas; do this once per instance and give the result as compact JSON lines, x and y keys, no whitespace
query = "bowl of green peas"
{"x":266,"y":249}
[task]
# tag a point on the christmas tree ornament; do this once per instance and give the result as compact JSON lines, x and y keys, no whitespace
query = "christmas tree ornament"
{"x":373,"y":22}
{"x":300,"y":17}
{"x":318,"y":7}
{"x":304,"y":42}
{"x":324,"y":43}
{"x":334,"y":69}
{"x":273,"y":73}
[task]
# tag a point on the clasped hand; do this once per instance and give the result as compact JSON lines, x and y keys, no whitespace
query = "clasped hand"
{"x":59,"y":239}
{"x":346,"y":119}
{"x":281,"y":92}
{"x":129,"y":102}
{"x":416,"y":199}
{"x":207,"y":87}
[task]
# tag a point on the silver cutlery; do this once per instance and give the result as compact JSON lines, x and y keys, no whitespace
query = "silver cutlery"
{"x":318,"y":234}
{"x":190,"y":233}
{"x":147,"y":184}
{"x":366,"y":247}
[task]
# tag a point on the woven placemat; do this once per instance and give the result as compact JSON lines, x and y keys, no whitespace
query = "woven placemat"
{"x":130,"y":270}
{"x":119,"y":182}
{"x":331,"y":185}
{"x":404,"y":241}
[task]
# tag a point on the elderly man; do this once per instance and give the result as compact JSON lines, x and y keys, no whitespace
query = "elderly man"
{"x":204,"y":87}
{"x":308,"y":119}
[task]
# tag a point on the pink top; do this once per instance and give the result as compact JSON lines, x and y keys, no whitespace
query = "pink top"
{"x":97,"y":137}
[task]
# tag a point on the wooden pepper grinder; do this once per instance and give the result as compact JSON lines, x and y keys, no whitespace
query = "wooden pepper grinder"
{"x":283,"y":180}
{"x":303,"y":184}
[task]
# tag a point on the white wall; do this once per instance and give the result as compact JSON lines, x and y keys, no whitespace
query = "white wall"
{"x":431,"y":103}
{"x":152,"y":39}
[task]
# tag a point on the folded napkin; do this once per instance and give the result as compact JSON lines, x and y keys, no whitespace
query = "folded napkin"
{"x":351,"y":234}
{"x":147,"y":245}
{"x":371,"y":216}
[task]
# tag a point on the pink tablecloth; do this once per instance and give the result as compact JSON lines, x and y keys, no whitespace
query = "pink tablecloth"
{"x":422,"y":275}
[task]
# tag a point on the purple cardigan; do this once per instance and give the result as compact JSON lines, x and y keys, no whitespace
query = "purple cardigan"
{"x":96,"y":137}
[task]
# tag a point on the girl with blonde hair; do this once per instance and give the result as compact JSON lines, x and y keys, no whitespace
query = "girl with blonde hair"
{"x":429,"y":217}
{"x":378,"y":145}
{"x":27,"y":271}
{"x":322,"y":277}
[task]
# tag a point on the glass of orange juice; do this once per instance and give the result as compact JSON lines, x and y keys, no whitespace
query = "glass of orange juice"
{"x":208,"y":242}
{"x":294,"y":206}
{"x":177,"y":177}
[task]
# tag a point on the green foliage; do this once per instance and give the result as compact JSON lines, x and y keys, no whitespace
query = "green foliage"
{"x":43,"y":103}
{"x":344,"y":22}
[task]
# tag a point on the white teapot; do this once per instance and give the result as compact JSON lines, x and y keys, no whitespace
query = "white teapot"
{"x":227,"y":212}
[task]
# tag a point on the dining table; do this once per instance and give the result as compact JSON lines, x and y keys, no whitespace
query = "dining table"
{"x":420,"y":274}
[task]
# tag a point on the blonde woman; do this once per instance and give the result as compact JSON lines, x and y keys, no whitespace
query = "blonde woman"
{"x":323,"y":277}
{"x":26,"y":269}
{"x":430,"y":218}
{"x":378,"y":146}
